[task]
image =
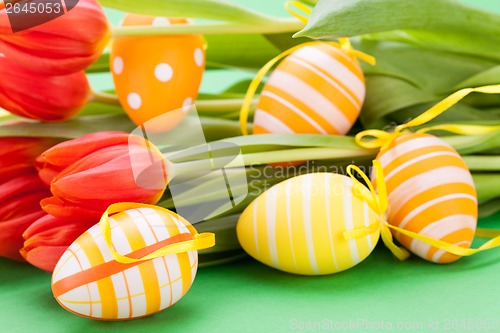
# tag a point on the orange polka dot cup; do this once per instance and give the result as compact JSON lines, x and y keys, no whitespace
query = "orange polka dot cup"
{"x":154,"y":75}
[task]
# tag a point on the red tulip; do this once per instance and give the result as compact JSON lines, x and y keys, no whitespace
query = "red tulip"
{"x":41,"y":97}
{"x":88,"y":174}
{"x":66,"y":44}
{"x":17,"y":155}
{"x":20,"y":191}
{"x":49,"y":237}
{"x":20,"y":208}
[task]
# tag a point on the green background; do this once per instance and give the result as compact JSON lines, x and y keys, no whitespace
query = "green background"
{"x":380,"y":294}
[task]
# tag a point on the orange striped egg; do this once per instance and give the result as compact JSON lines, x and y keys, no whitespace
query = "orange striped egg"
{"x":298,"y":226}
{"x":317,"y":89}
{"x":430,"y":192}
{"x":157,"y":74}
{"x":87,"y":281}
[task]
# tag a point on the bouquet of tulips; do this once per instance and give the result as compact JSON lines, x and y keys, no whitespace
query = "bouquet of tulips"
{"x":66,"y":149}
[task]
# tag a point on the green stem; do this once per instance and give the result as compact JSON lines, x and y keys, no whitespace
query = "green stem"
{"x":278,"y":26}
{"x":274,"y":157}
{"x":487,"y":186}
{"x":105,"y":98}
{"x":202,"y":106}
{"x":473,"y":144}
{"x":483,"y":163}
{"x":222,"y":105}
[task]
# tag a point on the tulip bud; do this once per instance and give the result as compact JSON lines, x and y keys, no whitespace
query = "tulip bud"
{"x":20,"y":191}
{"x":88,"y":174}
{"x":42,"y":97}
{"x":20,"y":208}
{"x":49,"y":237}
{"x":17,"y":155}
{"x":66,"y":44}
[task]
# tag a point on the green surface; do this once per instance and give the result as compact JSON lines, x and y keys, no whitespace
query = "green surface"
{"x":380,"y":294}
{"x":250,"y":297}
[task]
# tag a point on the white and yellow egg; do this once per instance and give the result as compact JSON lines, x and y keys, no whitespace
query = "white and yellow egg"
{"x":298,"y":226}
{"x":89,"y":282}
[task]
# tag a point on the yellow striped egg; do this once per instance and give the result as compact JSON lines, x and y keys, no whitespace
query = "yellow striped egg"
{"x":298,"y":226}
{"x":317,"y":89}
{"x":430,"y":192}
{"x":87,"y":280}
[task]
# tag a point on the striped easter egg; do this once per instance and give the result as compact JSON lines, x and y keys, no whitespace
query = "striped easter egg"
{"x":317,"y":89}
{"x":298,"y":226}
{"x":155,"y":75}
{"x":87,"y":281}
{"x":430,"y":192}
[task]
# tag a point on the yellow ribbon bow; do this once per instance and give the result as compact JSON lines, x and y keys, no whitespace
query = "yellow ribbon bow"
{"x":379,"y":202}
{"x":199,"y":241}
{"x":371,"y":139}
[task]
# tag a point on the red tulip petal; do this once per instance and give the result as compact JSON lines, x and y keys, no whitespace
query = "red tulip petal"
{"x":44,"y":257}
{"x":41,"y":97}
{"x":53,"y":231}
{"x":11,"y":240}
{"x":103,"y":185}
{"x":48,"y":238}
{"x":21,"y":185}
{"x":66,"y":153}
{"x":17,"y":155}
{"x":67,"y":44}
{"x":62,"y":209}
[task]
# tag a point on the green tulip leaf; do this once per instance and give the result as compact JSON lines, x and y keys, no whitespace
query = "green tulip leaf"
{"x":487,"y":77}
{"x":207,"y":9}
{"x":346,"y":18}
{"x":70,"y":129}
{"x":441,"y":24}
{"x":251,"y":51}
{"x":387,"y":95}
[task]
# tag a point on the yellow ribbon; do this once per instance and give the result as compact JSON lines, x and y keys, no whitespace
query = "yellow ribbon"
{"x":343,"y":44}
{"x":371,"y":139}
{"x":289,"y":6}
{"x":199,"y":241}
{"x":379,"y":203}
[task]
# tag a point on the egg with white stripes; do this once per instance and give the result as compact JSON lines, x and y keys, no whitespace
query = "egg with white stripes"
{"x":87,"y":281}
{"x":317,"y":89}
{"x":430,"y":192}
{"x":154,"y":75}
{"x":298,"y":225}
